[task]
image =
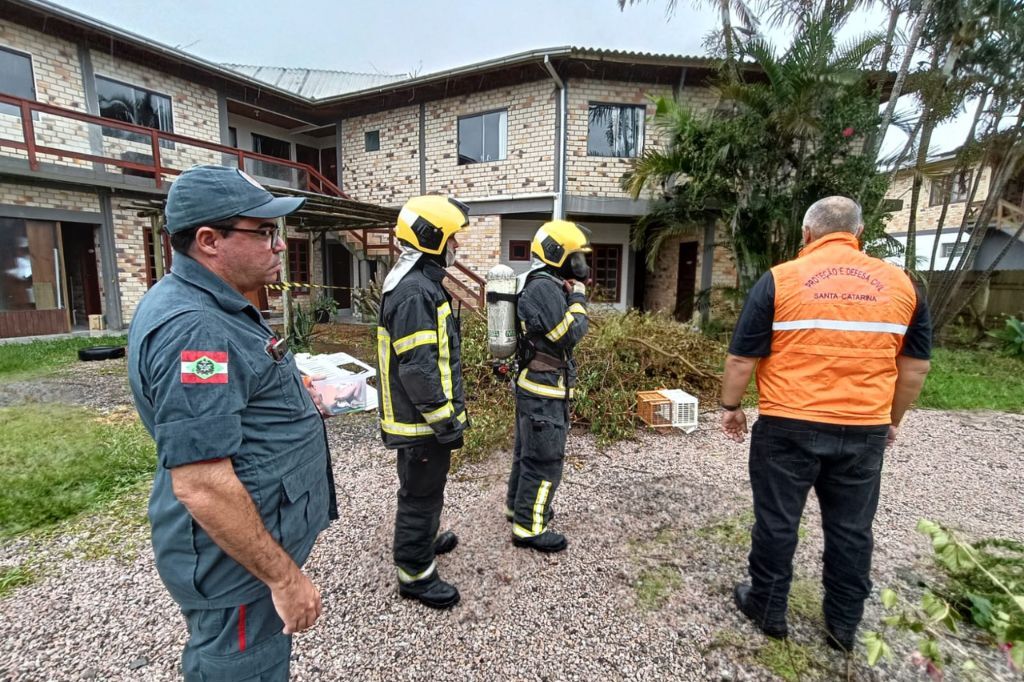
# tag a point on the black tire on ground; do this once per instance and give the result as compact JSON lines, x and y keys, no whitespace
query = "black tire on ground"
{"x":100,"y":353}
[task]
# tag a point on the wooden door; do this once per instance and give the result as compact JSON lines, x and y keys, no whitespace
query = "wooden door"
{"x":686,"y":285}
{"x":340,"y":263}
{"x":83,"y":286}
{"x":33,"y":300}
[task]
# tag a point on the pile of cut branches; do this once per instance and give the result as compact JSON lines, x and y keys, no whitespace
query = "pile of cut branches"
{"x":622,"y":354}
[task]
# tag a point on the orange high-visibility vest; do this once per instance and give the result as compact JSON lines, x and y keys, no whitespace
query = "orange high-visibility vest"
{"x":840,"y":319}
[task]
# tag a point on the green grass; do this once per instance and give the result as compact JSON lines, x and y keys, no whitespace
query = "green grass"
{"x":16,"y":576}
{"x":787,"y":659}
{"x":655,"y":586}
{"x":58,"y":461}
{"x":26,"y":360}
{"x":805,"y":599}
{"x":973,"y":380}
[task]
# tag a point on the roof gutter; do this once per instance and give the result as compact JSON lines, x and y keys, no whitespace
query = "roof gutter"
{"x":559,"y":207}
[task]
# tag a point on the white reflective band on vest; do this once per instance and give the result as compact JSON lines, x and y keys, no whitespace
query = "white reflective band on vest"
{"x":841,"y":326}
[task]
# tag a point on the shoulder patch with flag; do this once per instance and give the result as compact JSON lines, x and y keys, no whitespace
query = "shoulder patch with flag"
{"x":204,"y":367}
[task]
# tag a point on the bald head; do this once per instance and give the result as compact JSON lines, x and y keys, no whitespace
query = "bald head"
{"x":832,"y":214}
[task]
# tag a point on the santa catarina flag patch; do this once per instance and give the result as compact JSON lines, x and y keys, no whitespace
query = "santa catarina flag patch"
{"x":204,"y":367}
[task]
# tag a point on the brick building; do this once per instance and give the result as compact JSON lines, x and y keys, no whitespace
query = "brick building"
{"x":95,"y":122}
{"x":941,"y":180}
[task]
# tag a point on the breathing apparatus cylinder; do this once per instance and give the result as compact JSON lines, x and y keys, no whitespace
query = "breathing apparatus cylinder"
{"x":501,"y":311}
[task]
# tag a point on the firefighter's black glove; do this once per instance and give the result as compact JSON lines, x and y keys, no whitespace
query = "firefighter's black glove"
{"x":453,"y":444}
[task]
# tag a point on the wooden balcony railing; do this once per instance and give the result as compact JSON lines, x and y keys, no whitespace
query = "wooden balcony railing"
{"x":158,"y":144}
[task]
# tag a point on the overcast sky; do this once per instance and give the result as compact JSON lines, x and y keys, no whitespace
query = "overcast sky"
{"x":415,"y":36}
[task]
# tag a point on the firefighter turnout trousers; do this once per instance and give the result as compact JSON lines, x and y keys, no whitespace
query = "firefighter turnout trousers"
{"x":541,"y":428}
{"x":422,"y":474}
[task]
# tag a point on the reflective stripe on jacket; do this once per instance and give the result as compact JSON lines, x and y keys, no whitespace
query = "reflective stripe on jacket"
{"x":840,"y":318}
{"x":555,"y":324}
{"x":420,"y":391}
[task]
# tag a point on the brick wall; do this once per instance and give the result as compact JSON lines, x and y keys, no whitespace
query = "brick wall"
{"x":598,"y":175}
{"x":390,"y":175}
{"x":129,"y":246}
{"x":661,"y":285}
{"x":58,"y":81}
{"x":928,"y":216}
{"x":480,"y":243}
{"x":528,"y":167}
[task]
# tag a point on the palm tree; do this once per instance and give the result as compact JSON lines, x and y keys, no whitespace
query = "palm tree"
{"x":758,"y":166}
{"x":731,"y":36}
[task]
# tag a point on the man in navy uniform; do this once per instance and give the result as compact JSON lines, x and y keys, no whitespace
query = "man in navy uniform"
{"x":243,"y":484}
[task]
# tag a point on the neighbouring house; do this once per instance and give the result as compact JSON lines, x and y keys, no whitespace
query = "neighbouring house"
{"x":95,"y":122}
{"x":943,"y":180}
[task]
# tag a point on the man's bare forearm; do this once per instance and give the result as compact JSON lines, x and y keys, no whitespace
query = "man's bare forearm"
{"x":738,"y":371}
{"x":909,"y":382}
{"x":219,"y":502}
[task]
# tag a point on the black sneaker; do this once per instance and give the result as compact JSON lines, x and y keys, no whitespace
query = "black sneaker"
{"x":840,"y":639}
{"x":432,"y":592}
{"x":445,"y":542}
{"x":548,"y":541}
{"x":741,"y":595}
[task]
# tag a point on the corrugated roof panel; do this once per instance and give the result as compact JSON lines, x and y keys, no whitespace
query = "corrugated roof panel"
{"x":315,"y":83}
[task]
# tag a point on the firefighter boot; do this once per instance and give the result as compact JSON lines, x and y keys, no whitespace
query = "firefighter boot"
{"x":445,"y":542}
{"x":432,"y":592}
{"x":548,"y":541}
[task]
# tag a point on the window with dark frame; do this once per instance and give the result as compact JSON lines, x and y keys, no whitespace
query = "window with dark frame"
{"x":954,"y":249}
{"x":16,"y":78}
{"x":371,"y":140}
{"x":605,"y":262}
{"x":483,"y":137}
{"x":138,"y":106}
{"x":892,"y":205}
{"x":957,"y":188}
{"x":298,"y":265}
{"x":167,"y":253}
{"x":615,"y":130}
{"x":519,"y":249}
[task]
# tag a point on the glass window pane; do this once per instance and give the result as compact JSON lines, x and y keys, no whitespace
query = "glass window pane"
{"x":615,"y":130}
{"x":600,"y":136}
{"x":471,"y":139}
{"x":372,"y":140}
{"x":15,"y":78}
{"x":492,"y":123}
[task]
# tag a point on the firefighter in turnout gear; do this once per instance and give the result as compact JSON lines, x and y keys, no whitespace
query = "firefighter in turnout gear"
{"x":551,"y":317}
{"x":422,"y":409}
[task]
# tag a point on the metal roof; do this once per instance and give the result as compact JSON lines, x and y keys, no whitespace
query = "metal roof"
{"x":315,"y":84}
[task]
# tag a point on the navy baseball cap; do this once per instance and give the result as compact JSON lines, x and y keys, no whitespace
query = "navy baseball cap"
{"x":208,"y":194}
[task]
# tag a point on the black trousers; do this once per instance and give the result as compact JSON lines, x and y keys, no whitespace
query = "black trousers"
{"x":541,"y":429}
{"x":844,"y":466}
{"x":422,"y":474}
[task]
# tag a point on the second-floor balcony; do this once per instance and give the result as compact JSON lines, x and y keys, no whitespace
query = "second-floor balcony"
{"x":68,"y":144}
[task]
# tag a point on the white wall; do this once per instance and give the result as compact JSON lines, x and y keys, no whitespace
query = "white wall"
{"x":923,"y":248}
{"x":601,"y":233}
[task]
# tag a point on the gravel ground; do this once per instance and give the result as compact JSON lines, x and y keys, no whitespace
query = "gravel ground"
{"x":657,"y":503}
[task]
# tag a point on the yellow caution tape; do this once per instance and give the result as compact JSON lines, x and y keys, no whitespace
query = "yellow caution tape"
{"x":282,"y":286}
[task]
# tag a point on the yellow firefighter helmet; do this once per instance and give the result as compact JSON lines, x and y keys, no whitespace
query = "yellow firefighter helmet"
{"x":556,"y":240}
{"x":426,"y":223}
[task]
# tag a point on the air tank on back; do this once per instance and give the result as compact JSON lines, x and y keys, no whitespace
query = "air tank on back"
{"x":501,"y":311}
